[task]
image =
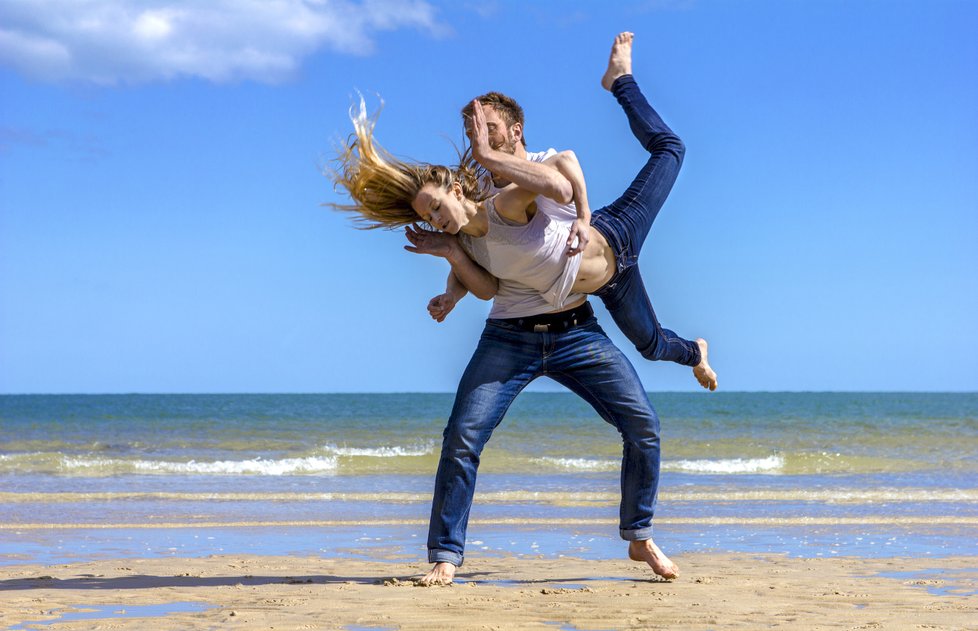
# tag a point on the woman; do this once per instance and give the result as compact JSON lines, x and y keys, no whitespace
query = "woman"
{"x":524,"y":249}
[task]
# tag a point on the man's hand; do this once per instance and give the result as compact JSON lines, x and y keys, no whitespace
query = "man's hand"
{"x":429,"y":242}
{"x":582,"y":231}
{"x":441,"y":305}
{"x":478,"y":132}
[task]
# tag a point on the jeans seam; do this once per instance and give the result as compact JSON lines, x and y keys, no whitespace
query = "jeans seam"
{"x":507,"y":337}
{"x":597,"y":399}
{"x":624,"y":235}
{"x":494,"y":426}
{"x":631,"y":202}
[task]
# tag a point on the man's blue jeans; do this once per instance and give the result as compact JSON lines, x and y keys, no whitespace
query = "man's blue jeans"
{"x":505,"y":361}
{"x":626,"y":222}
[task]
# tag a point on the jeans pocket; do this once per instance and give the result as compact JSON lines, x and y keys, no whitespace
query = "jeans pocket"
{"x":625,"y":260}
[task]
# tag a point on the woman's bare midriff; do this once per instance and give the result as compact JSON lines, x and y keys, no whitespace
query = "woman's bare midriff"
{"x":597,"y":265}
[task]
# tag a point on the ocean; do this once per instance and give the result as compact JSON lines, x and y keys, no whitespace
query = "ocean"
{"x":813,"y":474}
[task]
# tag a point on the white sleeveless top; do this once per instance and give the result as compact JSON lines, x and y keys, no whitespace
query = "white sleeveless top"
{"x":556,"y":210}
{"x":530,"y":260}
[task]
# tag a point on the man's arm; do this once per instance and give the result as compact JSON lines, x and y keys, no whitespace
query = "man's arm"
{"x":472,"y":276}
{"x":512,"y":201}
{"x":441,"y":305}
{"x":566,"y":162}
{"x":531,"y":176}
{"x":455,"y":287}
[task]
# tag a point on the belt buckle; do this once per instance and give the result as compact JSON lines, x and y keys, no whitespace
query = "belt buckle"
{"x":541,"y":328}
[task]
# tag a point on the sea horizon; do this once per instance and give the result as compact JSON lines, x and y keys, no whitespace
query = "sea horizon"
{"x":529,"y":390}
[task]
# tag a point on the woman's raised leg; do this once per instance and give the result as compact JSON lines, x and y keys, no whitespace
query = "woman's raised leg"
{"x":630,"y":217}
{"x":627,"y":221}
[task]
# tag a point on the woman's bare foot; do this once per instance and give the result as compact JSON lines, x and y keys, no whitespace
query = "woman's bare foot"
{"x":702,"y":371}
{"x":620,"y":62}
{"x":650,"y":553}
{"x":441,"y":574}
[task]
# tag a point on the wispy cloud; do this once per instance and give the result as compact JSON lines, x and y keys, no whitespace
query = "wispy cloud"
{"x":87,"y":148}
{"x":129,"y":41}
{"x":649,"y":6}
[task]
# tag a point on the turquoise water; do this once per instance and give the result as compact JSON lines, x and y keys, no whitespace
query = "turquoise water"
{"x":774,"y":471}
{"x":350,"y":435}
{"x":103,"y":612}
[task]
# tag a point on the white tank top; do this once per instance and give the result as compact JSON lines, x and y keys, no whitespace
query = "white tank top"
{"x":531,"y":261}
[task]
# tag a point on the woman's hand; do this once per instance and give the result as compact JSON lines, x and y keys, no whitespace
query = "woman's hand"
{"x":430,"y":242}
{"x":441,"y":305}
{"x":582,"y":231}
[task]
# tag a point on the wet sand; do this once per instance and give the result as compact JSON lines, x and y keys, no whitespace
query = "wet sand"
{"x":715,"y":591}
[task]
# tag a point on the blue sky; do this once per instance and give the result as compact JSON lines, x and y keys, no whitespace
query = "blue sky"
{"x":161,"y":227}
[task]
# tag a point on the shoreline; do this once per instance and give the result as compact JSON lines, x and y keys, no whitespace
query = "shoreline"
{"x":939,"y":520}
{"x":728,"y":590}
{"x":533,"y":538}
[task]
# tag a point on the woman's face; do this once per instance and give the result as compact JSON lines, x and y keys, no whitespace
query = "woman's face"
{"x":440,"y":207}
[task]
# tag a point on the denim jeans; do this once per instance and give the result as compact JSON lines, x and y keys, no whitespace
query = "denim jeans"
{"x":507,"y":359}
{"x":626,"y":222}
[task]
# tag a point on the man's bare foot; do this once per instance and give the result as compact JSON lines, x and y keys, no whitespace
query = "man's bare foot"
{"x":702,"y":371}
{"x":621,"y":59}
{"x":441,"y":574}
{"x":650,"y":553}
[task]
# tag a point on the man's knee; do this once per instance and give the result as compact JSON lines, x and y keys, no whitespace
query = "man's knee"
{"x":460,"y":443}
{"x":643,"y":435}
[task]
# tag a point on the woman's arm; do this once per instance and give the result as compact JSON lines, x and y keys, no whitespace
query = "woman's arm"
{"x":470,"y":274}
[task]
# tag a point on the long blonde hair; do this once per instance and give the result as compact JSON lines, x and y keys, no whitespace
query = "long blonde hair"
{"x":381,"y":186}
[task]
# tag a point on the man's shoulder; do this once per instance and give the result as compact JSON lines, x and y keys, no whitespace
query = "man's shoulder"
{"x":540,"y":156}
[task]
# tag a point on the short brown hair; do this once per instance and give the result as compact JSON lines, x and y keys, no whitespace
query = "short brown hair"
{"x":509,"y":110}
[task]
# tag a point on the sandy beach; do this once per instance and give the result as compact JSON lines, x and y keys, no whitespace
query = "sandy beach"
{"x":715,"y":591}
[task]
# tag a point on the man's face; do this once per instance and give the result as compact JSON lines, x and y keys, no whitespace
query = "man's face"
{"x":501,"y":137}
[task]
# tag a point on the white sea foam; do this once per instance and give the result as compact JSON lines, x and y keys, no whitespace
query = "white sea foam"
{"x":322,"y":461}
{"x":580,"y":464}
{"x":839,"y":495}
{"x":256,"y":466}
{"x":771,"y":464}
{"x":379,"y":452}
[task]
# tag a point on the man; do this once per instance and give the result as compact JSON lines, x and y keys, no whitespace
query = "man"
{"x":566,"y":345}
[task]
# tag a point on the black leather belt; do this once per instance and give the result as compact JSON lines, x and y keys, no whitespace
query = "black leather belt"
{"x":553,"y":322}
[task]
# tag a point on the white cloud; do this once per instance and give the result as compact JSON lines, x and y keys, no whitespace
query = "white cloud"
{"x":79,"y":147}
{"x":112,"y":41}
